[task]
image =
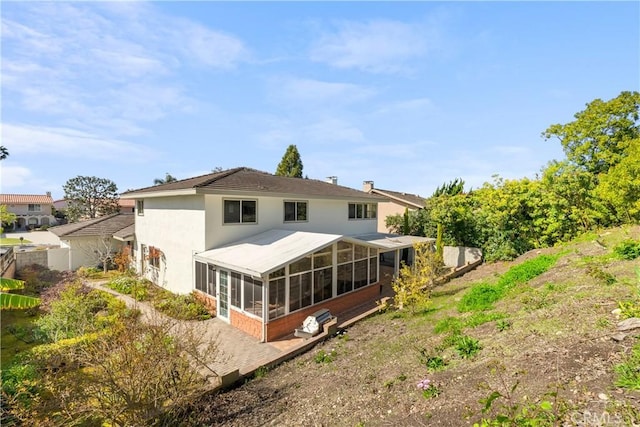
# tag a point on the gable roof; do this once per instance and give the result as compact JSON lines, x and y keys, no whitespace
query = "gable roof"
{"x":105,"y":225}
{"x":405,"y":198}
{"x":250,"y":181}
{"x":25,"y":199}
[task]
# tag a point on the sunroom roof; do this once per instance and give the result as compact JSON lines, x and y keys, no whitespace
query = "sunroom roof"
{"x":268,"y":251}
{"x":392,"y":241}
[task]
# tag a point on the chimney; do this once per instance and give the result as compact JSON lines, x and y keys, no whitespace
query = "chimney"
{"x":48,"y":193}
{"x":367,"y":186}
{"x":332,"y":180}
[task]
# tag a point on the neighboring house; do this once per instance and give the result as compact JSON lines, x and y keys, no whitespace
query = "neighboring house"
{"x":31,"y":210}
{"x":265,"y":251}
{"x":86,"y":240}
{"x":126,"y":206}
{"x":395,"y":203}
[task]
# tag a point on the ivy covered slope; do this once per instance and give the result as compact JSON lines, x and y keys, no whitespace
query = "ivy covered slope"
{"x":533,"y":341}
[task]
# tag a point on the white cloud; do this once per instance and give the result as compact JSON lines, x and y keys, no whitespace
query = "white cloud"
{"x":305,"y":91}
{"x":38,"y":140}
{"x":106,"y":69}
{"x":376,"y":46}
{"x":13,"y":176}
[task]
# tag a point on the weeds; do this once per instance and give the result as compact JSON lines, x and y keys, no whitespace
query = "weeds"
{"x":431,"y":361}
{"x":627,"y":249}
{"x":628,"y":372}
{"x":429,"y":389}
{"x":324,"y":357}
{"x":390,"y":383}
{"x":503,"y":324}
{"x":467,"y":346}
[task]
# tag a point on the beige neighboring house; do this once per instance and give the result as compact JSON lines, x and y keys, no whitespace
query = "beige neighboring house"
{"x":126,"y":206}
{"x":395,"y":204}
{"x":31,"y":210}
{"x":85,"y":239}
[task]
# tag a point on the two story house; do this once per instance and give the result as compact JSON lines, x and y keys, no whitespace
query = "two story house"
{"x":394,"y":203}
{"x":31,"y":210}
{"x":265,"y":251}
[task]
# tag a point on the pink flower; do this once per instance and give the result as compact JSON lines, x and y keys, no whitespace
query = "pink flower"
{"x":424,"y":384}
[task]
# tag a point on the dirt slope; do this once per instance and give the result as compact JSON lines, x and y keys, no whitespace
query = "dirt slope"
{"x":560,"y":339}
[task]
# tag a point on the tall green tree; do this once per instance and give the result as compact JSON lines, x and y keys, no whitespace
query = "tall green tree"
{"x":167,"y":179}
{"x":602,"y":132}
{"x":90,"y":197}
{"x":451,"y":188}
{"x":619,"y":188}
{"x":291,"y":164}
{"x":6,"y":217}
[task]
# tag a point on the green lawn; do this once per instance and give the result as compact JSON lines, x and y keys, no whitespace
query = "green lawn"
{"x":10,"y":241}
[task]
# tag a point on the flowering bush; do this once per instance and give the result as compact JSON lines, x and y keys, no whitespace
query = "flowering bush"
{"x":429,"y":390}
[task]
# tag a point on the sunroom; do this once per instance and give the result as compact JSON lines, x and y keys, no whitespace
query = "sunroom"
{"x":268,"y":284}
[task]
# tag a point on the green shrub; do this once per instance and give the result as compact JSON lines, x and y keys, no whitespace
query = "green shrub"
{"x":89,"y":272}
{"x":182,"y":307}
{"x":628,"y":249}
{"x":325,"y":357}
{"x":467,"y":346}
{"x":130,"y":285}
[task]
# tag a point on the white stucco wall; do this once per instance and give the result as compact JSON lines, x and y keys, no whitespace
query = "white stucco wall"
{"x":176,"y":226}
{"x":183,"y":225}
{"x":81,"y":250}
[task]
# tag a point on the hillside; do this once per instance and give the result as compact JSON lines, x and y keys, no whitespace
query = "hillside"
{"x":554,"y":334}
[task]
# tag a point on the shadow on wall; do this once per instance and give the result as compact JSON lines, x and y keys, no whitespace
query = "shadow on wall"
{"x":457,"y":256}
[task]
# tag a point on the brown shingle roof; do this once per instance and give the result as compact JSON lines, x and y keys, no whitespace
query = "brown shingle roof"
{"x":25,"y":199}
{"x":246,"y":180}
{"x":411,"y":199}
{"x":106,"y":225}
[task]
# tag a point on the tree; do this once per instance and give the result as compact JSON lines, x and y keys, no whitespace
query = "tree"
{"x":413,"y":285}
{"x":451,"y":188}
{"x":291,"y":164}
{"x":100,"y":251}
{"x":90,"y":197}
{"x":620,"y":186}
{"x":4,"y":153}
{"x":599,"y":136}
{"x":167,"y":179}
{"x":6,"y":217}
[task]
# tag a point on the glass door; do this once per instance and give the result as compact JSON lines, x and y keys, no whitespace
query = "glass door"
{"x":223,"y":296}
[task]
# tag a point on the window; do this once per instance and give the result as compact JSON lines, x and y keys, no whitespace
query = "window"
{"x":295,"y":211}
{"x":276,"y":297}
{"x":252,"y":296}
{"x":34,"y":208}
{"x":345,"y":278}
{"x":360,"y":273}
{"x":154,"y":256}
{"x":363,"y":210}
{"x":140,"y":207}
{"x":211,"y":280}
{"x":240,"y":211}
{"x":201,"y":276}
{"x":322,"y":282}
{"x":236,"y":291}
{"x":299,"y":291}
{"x":373,"y":269}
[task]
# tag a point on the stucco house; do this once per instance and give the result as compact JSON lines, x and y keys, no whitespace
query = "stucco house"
{"x":394,"y":203}
{"x":264,"y":251}
{"x":31,"y":210}
{"x":87,"y":240}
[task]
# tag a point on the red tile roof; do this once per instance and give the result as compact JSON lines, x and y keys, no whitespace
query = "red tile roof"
{"x":25,"y":199}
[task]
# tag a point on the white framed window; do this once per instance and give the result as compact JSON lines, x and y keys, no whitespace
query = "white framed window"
{"x":295,"y":211}
{"x":363,"y":210}
{"x":240,"y":211}
{"x":34,"y":207}
{"x":140,"y":207}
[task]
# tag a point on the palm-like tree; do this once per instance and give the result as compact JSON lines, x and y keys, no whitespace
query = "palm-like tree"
{"x":167,"y":179}
{"x":15,"y":301}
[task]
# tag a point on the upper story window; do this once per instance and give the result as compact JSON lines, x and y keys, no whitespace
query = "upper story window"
{"x":363,"y":210}
{"x":34,"y":208}
{"x":240,"y":211}
{"x":140,"y":207}
{"x":295,"y":211}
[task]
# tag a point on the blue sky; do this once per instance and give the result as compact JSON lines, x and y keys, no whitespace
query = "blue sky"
{"x":407,"y":94}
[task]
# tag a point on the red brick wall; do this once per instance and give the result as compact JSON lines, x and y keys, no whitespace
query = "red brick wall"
{"x":247,"y":324}
{"x":284,"y":326}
